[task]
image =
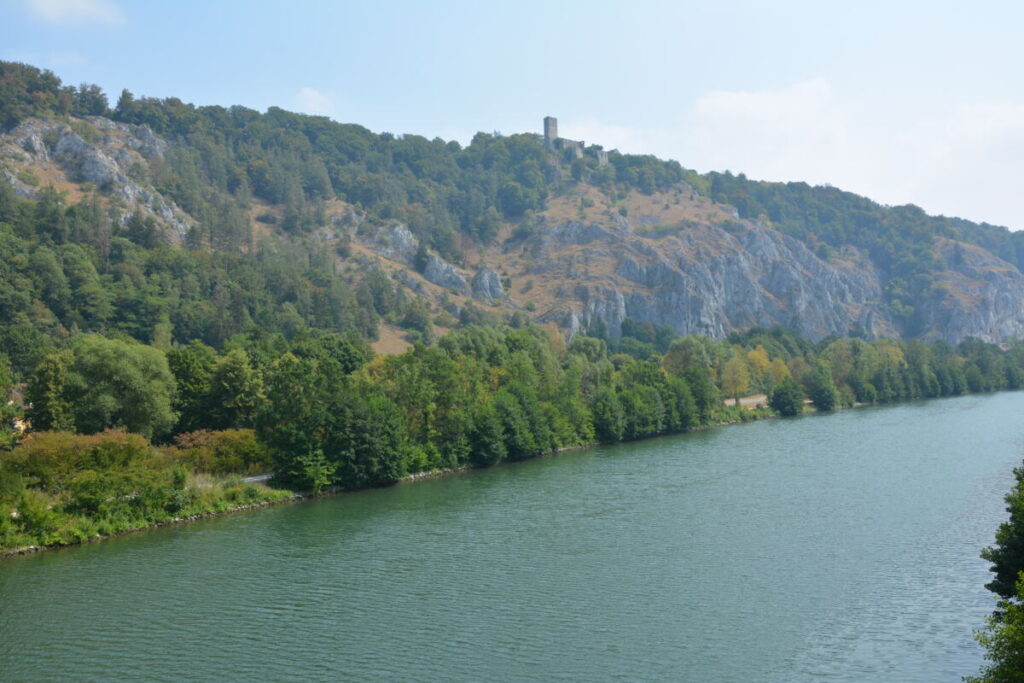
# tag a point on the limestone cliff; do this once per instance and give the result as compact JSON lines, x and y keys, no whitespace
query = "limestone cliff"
{"x":705,"y":279}
{"x":699,"y":269}
{"x":977,"y":295}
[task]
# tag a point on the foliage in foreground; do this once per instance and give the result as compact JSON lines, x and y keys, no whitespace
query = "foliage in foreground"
{"x":1003,"y":635}
{"x":1007,"y":555}
{"x":1003,"y":640}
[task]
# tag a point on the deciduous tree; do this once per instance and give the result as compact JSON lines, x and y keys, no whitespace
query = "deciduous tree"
{"x":787,"y":398}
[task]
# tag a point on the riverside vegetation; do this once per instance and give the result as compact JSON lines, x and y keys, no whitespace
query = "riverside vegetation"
{"x":128,"y":435}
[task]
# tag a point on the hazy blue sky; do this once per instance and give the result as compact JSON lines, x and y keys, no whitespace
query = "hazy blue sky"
{"x":918,"y":102}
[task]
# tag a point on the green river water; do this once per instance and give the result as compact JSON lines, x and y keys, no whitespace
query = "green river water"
{"x":841,"y":547}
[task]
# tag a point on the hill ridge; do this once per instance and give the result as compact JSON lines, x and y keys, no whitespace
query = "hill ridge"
{"x":582,"y":241}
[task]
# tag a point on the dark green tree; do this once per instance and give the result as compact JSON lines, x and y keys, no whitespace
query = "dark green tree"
{"x":1003,"y":640}
{"x":520,"y":441}
{"x":787,"y":398}
{"x":115,"y":383}
{"x":609,"y":416}
{"x":1007,"y":555}
{"x":486,"y":436}
{"x":236,"y":391}
{"x":47,"y":392}
{"x":298,"y":413}
{"x":1003,"y":636}
{"x":705,"y":395}
{"x":820,"y":388}
{"x":370,"y":443}
{"x":192,"y":367}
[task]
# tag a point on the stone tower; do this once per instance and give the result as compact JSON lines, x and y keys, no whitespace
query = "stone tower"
{"x":550,"y":131}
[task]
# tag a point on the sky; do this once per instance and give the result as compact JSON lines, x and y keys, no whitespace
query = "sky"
{"x":904,"y":102}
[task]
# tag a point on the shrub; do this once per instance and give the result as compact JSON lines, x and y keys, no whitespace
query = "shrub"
{"x":223,"y":452}
{"x":51,"y":460}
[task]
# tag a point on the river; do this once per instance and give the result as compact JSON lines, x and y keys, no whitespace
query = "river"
{"x":840,"y":547}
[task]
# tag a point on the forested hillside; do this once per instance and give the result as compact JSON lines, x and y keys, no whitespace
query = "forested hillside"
{"x":223,"y":158}
{"x":170,"y":222}
{"x":253,"y":186}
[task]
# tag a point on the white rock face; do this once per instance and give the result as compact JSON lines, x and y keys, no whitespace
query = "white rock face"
{"x":980,"y":296}
{"x":444,"y":274}
{"x":712,"y":281}
{"x":398,"y":244}
{"x":486,"y":285}
{"x":106,"y":162}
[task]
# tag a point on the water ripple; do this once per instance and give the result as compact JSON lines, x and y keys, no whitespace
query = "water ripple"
{"x":829,"y":548}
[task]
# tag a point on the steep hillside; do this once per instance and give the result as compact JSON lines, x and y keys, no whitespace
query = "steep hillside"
{"x":182,"y":222}
{"x":716,"y":274}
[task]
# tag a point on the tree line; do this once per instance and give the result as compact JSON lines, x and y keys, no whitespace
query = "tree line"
{"x":323,"y":411}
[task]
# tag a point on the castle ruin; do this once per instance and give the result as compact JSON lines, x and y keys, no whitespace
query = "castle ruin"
{"x":576,"y":147}
{"x":550,"y":131}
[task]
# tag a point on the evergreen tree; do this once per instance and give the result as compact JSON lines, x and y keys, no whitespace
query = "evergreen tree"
{"x":192,"y":367}
{"x":236,"y":391}
{"x":47,"y":392}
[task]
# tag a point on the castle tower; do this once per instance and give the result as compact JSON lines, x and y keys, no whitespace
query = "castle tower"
{"x":550,"y":131}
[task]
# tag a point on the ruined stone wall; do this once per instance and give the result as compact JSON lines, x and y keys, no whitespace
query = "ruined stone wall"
{"x":550,"y":131}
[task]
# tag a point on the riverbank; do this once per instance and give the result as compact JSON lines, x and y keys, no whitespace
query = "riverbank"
{"x":292,"y":497}
{"x":59,"y":488}
{"x":206,"y":496}
{"x":730,"y":415}
{"x":289,"y":497}
{"x":32,"y":549}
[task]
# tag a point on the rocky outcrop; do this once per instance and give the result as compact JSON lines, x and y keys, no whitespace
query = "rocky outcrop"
{"x":139,"y":138}
{"x":92,"y":165}
{"x":398,"y":244}
{"x":444,"y":274}
{"x":112,"y":160}
{"x":486,"y":285}
{"x":712,"y":281}
{"x":717,"y":277}
{"x":977,"y":295}
{"x":21,"y":188}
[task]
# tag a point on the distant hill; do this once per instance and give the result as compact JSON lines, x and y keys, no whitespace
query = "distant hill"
{"x":169,"y":222}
